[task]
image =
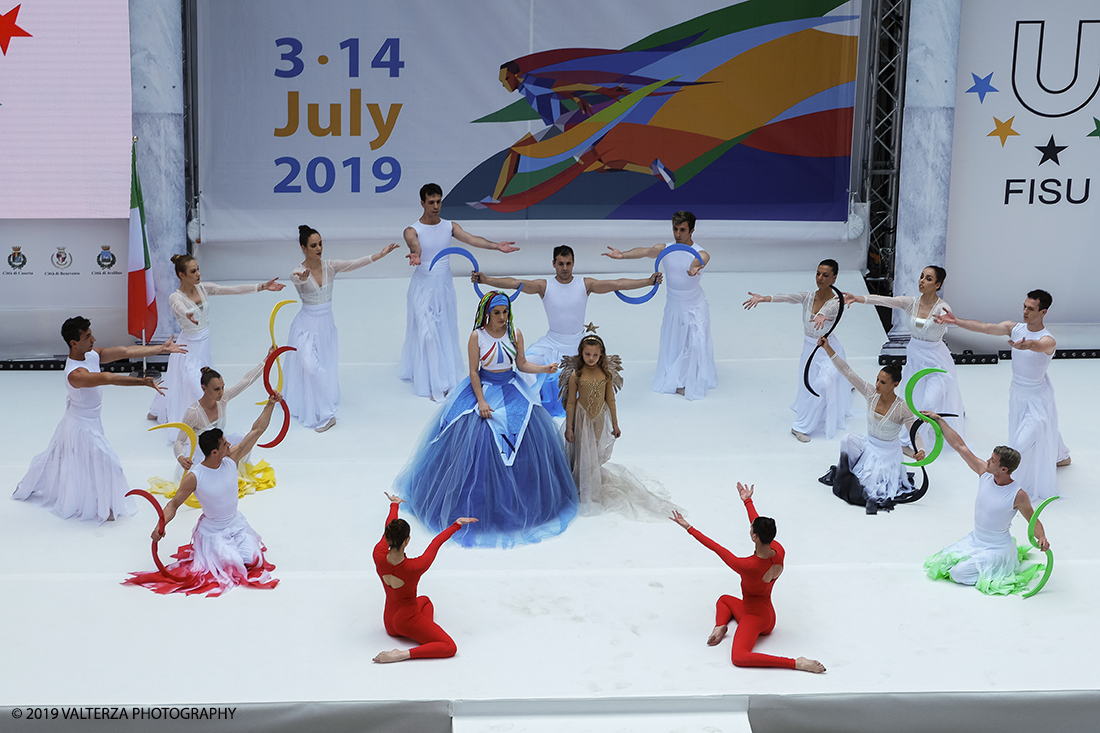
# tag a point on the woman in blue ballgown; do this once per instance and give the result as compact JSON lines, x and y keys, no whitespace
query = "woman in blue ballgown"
{"x":493,"y":452}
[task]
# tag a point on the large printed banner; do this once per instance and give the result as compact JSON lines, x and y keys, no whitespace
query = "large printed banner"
{"x":545,"y":110}
{"x":64,"y":109}
{"x":65,"y":131}
{"x":1024,"y":214}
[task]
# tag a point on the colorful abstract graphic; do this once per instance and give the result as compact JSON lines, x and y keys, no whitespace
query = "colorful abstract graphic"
{"x":743,"y":113}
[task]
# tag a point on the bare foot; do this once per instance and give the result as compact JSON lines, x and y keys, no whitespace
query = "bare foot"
{"x":802,"y":437}
{"x":400,"y":655}
{"x":680,"y":391}
{"x":1064,"y":462}
{"x":717,"y":635}
{"x":809,"y":665}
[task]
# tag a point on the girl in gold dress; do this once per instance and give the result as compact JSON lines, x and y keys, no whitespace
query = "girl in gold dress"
{"x":589,"y":382}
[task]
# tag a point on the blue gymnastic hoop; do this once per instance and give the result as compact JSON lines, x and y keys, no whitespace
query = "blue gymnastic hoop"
{"x":477,"y":268}
{"x":638,"y":300}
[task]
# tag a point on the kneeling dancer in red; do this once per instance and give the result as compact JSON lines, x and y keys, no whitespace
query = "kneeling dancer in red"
{"x":754,"y":615}
{"x":406,"y":614}
{"x":225,"y":551}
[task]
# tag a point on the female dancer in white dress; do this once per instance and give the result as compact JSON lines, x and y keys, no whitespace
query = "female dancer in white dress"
{"x":312,"y":382}
{"x":936,"y":392}
{"x":589,"y":381}
{"x":190,"y":305}
{"x":874,"y":461}
{"x":210,"y":410}
{"x":819,"y":310}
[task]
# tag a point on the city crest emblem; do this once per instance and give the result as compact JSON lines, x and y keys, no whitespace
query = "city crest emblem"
{"x":61,"y":259}
{"x":16,"y":260}
{"x":106,"y":259}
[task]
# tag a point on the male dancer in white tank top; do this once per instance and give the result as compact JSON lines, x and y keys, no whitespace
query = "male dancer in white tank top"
{"x":225,"y":551}
{"x":79,"y":474}
{"x":988,"y":554}
{"x":1032,"y":411}
{"x":685,"y":355}
{"x":564,"y":298}
{"x":431,"y":358}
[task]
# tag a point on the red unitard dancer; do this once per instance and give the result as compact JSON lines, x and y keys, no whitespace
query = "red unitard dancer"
{"x":406,"y":614}
{"x":754,"y":615}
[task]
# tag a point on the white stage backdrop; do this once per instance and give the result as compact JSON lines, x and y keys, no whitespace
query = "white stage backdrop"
{"x":64,"y":170}
{"x":1023,"y":213}
{"x":334,"y":114}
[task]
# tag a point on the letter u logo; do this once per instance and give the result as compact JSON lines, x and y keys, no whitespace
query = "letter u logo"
{"x":1027,"y":70}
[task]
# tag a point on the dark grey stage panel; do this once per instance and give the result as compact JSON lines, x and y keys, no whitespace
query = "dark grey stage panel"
{"x":291,"y":717}
{"x":1069,"y":711}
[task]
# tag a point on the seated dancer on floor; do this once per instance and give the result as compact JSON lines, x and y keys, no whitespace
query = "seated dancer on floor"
{"x":209,"y":412}
{"x":589,"y":381}
{"x":754,"y":615}
{"x":225,"y":551}
{"x":870,"y":472}
{"x":988,"y":557}
{"x":79,"y":474}
{"x":565,"y":299}
{"x":493,"y":452}
{"x":407,"y":614}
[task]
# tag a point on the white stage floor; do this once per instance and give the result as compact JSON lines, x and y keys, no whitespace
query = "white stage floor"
{"x":611,"y":608}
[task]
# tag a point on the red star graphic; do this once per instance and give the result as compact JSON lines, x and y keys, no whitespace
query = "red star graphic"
{"x":9,"y":30}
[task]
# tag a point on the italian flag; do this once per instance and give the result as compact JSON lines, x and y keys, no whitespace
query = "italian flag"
{"x":142,"y":296}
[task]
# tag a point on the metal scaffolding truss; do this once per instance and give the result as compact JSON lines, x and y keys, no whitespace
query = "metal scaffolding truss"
{"x":888,"y":36}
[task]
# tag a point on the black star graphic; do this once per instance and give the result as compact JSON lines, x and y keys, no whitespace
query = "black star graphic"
{"x":1050,"y":151}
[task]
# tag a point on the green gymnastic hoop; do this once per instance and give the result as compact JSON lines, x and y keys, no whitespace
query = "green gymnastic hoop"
{"x":1035,"y":544}
{"x":909,"y":387}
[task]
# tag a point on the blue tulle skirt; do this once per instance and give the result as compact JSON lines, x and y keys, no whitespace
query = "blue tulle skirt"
{"x":510,"y":472}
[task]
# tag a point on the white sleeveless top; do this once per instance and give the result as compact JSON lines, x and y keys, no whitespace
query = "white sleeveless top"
{"x":84,"y":401}
{"x":433,"y":238}
{"x":1029,"y":366}
{"x":497,"y":355}
{"x":216,"y":489}
{"x":994,"y":508}
{"x":565,"y":305}
{"x":676,"y":265}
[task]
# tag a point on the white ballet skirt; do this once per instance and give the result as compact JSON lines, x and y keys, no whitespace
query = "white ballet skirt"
{"x":79,"y":474}
{"x":431,"y":357}
{"x":603,"y":486}
{"x":1033,"y":419}
{"x":829,"y":412}
{"x":875,"y":459}
{"x":685,"y":356}
{"x":937,"y":393}
{"x":311,"y":374}
{"x":877,"y":464}
{"x":181,"y":381}
{"x":312,"y":384}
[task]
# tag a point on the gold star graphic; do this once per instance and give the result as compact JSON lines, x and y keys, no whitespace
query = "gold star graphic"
{"x":1003,"y":130}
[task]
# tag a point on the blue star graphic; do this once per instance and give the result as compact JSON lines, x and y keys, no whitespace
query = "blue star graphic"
{"x":982,"y":87}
